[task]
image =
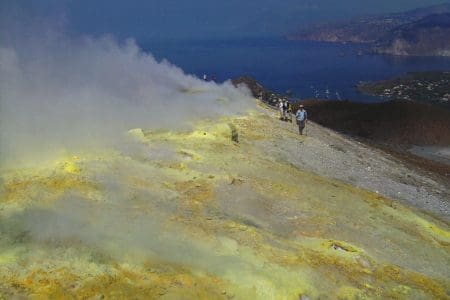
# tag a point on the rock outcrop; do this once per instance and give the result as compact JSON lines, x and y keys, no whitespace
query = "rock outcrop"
{"x":258,"y":91}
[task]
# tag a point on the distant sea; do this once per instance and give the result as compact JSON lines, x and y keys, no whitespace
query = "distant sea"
{"x":307,"y":69}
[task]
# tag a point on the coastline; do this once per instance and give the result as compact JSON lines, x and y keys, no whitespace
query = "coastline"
{"x":305,"y":68}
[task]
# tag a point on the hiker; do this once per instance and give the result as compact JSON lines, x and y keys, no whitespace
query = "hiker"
{"x":285,"y":110}
{"x":302,"y":117}
{"x":288,"y":111}
{"x":281,"y":109}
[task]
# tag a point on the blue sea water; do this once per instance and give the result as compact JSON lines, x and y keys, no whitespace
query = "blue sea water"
{"x":308,"y":69}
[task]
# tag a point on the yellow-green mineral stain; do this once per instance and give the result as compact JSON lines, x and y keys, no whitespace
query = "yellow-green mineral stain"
{"x":217,"y":219}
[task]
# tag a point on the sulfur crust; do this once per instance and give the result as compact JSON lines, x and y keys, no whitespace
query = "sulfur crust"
{"x":249,"y":226}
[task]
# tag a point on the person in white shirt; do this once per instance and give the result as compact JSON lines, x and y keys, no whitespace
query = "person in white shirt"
{"x":281,"y":109}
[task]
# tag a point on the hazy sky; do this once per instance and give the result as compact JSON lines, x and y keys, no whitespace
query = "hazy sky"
{"x":145,"y":19}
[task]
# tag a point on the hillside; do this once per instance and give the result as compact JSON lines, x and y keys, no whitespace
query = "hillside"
{"x":417,"y":133}
{"x":411,"y":129}
{"x":426,"y":37}
{"x":194,"y":214}
{"x":411,"y":121}
{"x":394,"y":122}
{"x":362,"y":30}
{"x":417,"y":32}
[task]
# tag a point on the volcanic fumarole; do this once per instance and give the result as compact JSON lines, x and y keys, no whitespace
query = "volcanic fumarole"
{"x":122,"y":177}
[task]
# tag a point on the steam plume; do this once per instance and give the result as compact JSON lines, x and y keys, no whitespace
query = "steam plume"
{"x":74,"y":93}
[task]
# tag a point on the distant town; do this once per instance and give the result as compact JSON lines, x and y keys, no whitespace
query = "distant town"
{"x":431,"y":87}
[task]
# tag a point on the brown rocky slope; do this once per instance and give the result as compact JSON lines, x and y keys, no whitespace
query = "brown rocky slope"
{"x":394,"y":122}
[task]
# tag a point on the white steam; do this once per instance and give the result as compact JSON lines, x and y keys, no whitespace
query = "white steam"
{"x":61,"y":93}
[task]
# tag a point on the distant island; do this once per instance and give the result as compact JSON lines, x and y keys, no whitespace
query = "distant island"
{"x":429,"y":87}
{"x":419,"y":32}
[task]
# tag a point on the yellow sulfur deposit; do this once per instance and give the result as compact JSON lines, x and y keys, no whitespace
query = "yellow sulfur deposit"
{"x":200,"y":215}
{"x":71,"y":167}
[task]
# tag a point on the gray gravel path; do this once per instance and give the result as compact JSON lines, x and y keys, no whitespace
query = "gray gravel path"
{"x":337,"y":156}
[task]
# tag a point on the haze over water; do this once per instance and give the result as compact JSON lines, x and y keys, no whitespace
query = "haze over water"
{"x":306,"y":68}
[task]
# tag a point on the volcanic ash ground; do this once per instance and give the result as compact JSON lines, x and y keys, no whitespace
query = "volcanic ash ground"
{"x":210,"y":213}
